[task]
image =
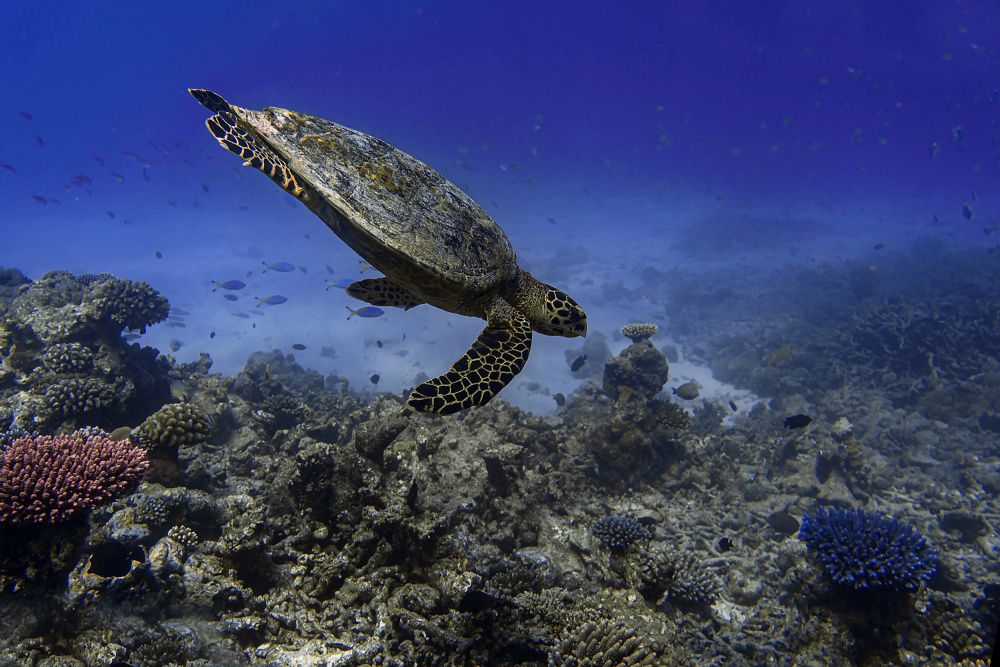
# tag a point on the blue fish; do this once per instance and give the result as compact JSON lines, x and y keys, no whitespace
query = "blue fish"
{"x":341,"y":284}
{"x":229,"y":297}
{"x":271,"y":300}
{"x":229,"y":284}
{"x":280,"y":267}
{"x":367,"y":311}
{"x":290,"y":200}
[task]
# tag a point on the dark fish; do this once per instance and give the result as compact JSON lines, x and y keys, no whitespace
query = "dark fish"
{"x":271,"y":300}
{"x":178,"y":311}
{"x":204,"y":187}
{"x":229,"y":284}
{"x":172,"y":203}
{"x":211,"y":335}
{"x":379,"y":344}
{"x":797,"y":421}
{"x":688,"y":391}
{"x":298,"y":346}
{"x":552,"y":220}
{"x":329,"y":269}
{"x":578,"y":363}
{"x":784,"y":523}
{"x":41,"y":200}
{"x":26,"y":116}
{"x":97,"y":159}
{"x":367,"y":311}
{"x":280,"y":267}
{"x":560,"y":399}
{"x":8,"y":167}
{"x":38,"y":140}
{"x":732,"y":404}
{"x":967,"y":211}
{"x":111,"y":214}
{"x":375,"y":378}
{"x":725,"y":545}
{"x":118,"y":177}
{"x":229,"y":297}
{"x":242,"y":316}
{"x":83,"y":178}
{"x":158,"y":254}
{"x":879,"y":246}
{"x":59,"y":203}
{"x":243,"y":208}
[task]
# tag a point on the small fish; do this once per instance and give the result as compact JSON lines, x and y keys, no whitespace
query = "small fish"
{"x":98,"y":159}
{"x":243,"y":208}
{"x":364,"y":265}
{"x":83,"y":178}
{"x":995,"y":95}
{"x":342,"y":284}
{"x":280,"y":267}
{"x":378,"y":343}
{"x":242,"y":316}
{"x":119,"y":434}
{"x":267,"y":372}
{"x":688,"y":391}
{"x":172,"y":203}
{"x":552,"y":220}
{"x":211,"y":335}
{"x":375,"y":378}
{"x":578,"y":363}
{"x":879,"y":246}
{"x":8,"y":167}
{"x":229,"y":297}
{"x":797,"y":421}
{"x":298,"y":346}
{"x":178,"y":311}
{"x":732,"y":404}
{"x":957,"y":133}
{"x":38,"y":140}
{"x":118,"y":177}
{"x":783,"y":522}
{"x":58,"y":203}
{"x":967,"y":211}
{"x":725,"y":545}
{"x":935,"y":149}
{"x":146,"y":177}
{"x":204,"y":187}
{"x":180,"y":391}
{"x":229,"y":284}
{"x":367,"y":311}
{"x":26,"y":116}
{"x":989,"y":230}
{"x":271,"y":300}
{"x":130,"y":156}
{"x":41,"y":200}
{"x":290,"y":200}
{"x":560,"y":399}
{"x":782,"y":353}
{"x":158,"y":255}
{"x":111,"y":214}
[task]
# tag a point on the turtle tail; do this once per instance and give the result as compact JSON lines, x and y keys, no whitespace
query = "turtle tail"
{"x":239,"y":139}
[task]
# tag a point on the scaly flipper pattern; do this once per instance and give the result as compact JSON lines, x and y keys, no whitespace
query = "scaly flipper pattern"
{"x":496,"y":357}
{"x":383,"y":292}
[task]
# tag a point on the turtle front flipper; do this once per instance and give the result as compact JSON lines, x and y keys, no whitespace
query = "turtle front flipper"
{"x":383,"y":292}
{"x":496,"y":357}
{"x":236,"y":138}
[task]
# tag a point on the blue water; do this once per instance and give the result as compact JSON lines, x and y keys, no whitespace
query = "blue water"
{"x":625,"y":123}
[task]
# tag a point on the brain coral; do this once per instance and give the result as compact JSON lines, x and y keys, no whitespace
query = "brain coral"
{"x":49,"y":479}
{"x":868,"y":550}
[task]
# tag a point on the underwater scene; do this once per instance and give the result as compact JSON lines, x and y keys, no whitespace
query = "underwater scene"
{"x":541,"y":334}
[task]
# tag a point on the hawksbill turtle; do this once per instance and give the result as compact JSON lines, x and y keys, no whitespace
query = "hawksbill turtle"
{"x":431,"y":241}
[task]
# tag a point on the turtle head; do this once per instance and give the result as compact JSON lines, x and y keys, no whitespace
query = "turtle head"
{"x":561,"y":315}
{"x":551,"y":311}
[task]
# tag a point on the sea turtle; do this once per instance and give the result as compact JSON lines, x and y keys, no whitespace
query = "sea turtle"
{"x":429,"y":239}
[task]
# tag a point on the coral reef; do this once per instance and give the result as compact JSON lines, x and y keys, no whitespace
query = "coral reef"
{"x":636,"y":332}
{"x":619,"y":532}
{"x":49,"y":479}
{"x":603,"y":644}
{"x":868,"y":550}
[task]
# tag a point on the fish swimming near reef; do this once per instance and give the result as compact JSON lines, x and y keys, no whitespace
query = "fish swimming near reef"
{"x":280,"y":267}
{"x":797,"y":421}
{"x":560,"y":399}
{"x":782,"y":353}
{"x":230,"y":297}
{"x":229,"y":284}
{"x":271,"y":300}
{"x":374,"y":379}
{"x":298,"y":346}
{"x":688,"y":391}
{"x":180,"y":391}
{"x":783,"y":522}
{"x":341,"y":284}
{"x":578,"y":363}
{"x":367,"y":311}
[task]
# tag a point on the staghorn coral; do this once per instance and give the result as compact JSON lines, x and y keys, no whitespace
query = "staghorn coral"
{"x":662,"y":575}
{"x":78,"y":396}
{"x":151,"y":510}
{"x":49,"y":479}
{"x":636,"y":332}
{"x":868,"y":550}
{"x":603,"y":644}
{"x":133,"y":305}
{"x":619,"y":532}
{"x":174,"y":425}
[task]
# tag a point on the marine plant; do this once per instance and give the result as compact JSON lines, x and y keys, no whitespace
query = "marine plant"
{"x":864,"y":550}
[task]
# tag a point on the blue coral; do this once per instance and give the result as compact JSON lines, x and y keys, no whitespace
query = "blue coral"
{"x":619,"y":532}
{"x":868,"y":550}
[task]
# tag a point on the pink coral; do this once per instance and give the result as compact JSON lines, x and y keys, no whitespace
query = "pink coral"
{"x":48,"y":479}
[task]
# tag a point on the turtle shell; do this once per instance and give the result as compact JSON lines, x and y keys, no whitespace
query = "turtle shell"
{"x":402,"y":216}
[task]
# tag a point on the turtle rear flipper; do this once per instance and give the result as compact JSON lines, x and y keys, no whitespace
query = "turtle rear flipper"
{"x":383,"y":292}
{"x":496,"y":357}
